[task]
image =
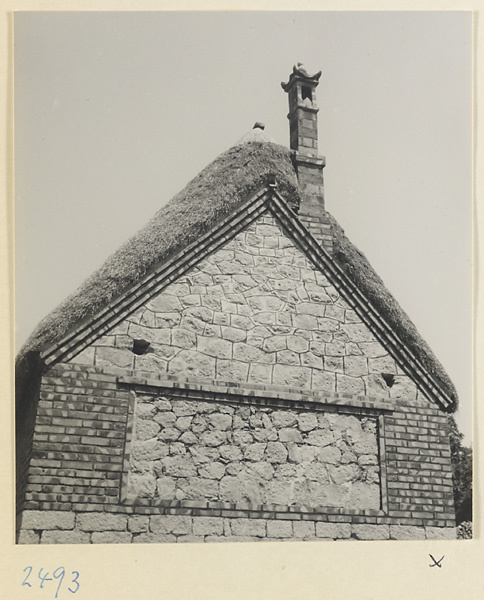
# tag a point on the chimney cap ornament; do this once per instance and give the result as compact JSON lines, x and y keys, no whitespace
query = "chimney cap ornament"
{"x":299,"y":73}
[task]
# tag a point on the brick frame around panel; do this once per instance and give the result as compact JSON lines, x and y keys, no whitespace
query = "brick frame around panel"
{"x":259,"y":395}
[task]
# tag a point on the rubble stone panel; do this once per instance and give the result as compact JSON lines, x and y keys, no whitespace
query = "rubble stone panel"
{"x":252,"y":454}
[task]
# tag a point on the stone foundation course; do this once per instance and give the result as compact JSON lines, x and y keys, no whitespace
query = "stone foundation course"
{"x":58,"y":527}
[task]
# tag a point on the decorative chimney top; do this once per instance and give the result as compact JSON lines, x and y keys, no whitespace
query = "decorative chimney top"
{"x":299,"y":72}
{"x":259,"y":125}
{"x":301,"y":90}
{"x":303,"y":126}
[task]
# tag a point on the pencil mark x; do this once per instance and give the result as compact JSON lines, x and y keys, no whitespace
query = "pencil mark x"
{"x":436,"y":562}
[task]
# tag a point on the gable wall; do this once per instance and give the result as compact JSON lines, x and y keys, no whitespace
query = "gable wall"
{"x":256,"y":311}
{"x":80,"y":459}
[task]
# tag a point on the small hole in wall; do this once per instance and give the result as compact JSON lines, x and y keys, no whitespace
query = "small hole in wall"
{"x":389,"y":379}
{"x":140,"y":346}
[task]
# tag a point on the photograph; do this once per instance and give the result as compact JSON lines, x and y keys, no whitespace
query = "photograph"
{"x":243,"y":277}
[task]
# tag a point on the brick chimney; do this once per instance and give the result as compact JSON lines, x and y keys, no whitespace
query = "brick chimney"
{"x":303,"y":125}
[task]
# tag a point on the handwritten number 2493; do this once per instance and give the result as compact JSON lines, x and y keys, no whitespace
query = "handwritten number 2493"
{"x":58,"y":575}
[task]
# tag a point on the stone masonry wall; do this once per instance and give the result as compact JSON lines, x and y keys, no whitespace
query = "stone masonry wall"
{"x":219,"y":452}
{"x":256,"y":311}
{"x":80,"y":456}
{"x":267,"y":343}
{"x":60,"y":527}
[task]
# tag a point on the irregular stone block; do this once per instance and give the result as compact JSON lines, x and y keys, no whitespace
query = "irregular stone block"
{"x":366,"y":444}
{"x":291,"y":376}
{"x":320,"y":437}
{"x":146,"y":430}
{"x":212,"y":471}
{"x":355,"y":366}
{"x":288,"y":357}
{"x":403,"y":387}
{"x":260,"y":373}
{"x":248,"y":528}
{"x":208,"y":526}
{"x":86,"y":357}
{"x":254,"y":452}
{"x":383,"y":364}
{"x":279,"y":529}
{"x":330,"y":455}
{"x":165,"y":487}
{"x":232,"y":334}
{"x":232,"y":370}
{"x":290,"y":435}
{"x":248,"y":353}
{"x":278,"y":492}
{"x":335,"y":349}
{"x":164,"y":303}
{"x":334,"y":531}
{"x":215,"y":347}
{"x":231,"y":453}
{"x":304,"y":530}
{"x":192,"y":364}
{"x":349,"y":385}
{"x":364,"y":495}
{"x":138,"y":523}
{"x":198,"y":488}
{"x":149,"y":450}
{"x":65,"y":537}
{"x":307,"y":421}
{"x":183,"y":408}
{"x":220,"y":421}
{"x":213,"y":438}
{"x":115,"y":357}
{"x":141,"y":485}
{"x":440,"y":533}
{"x":179,"y":466}
{"x":406,"y":532}
{"x":276,"y":452}
{"x":51,"y":519}
{"x":101,"y":522}
{"x":27,"y":536}
{"x":188,"y":438}
{"x":333,"y":364}
{"x":305,"y":321}
{"x":190,"y":539}
{"x":176,"y":524}
{"x":370,"y":532}
{"x":275,"y":343}
{"x":154,"y":538}
{"x":145,"y":410}
{"x":375,"y":385}
{"x":263,"y":469}
{"x":324,"y":381}
{"x":111,"y":537}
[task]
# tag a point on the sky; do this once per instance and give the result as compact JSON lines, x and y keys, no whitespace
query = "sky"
{"x":116,"y":112}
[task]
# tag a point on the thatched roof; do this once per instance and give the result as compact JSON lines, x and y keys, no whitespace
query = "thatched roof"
{"x":212,"y":195}
{"x":356,"y":266}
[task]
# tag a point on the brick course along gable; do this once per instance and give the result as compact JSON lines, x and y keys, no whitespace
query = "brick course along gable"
{"x":256,"y":311}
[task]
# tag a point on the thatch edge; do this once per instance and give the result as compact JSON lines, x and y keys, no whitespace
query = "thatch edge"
{"x":207,"y":199}
{"x":359,"y":270}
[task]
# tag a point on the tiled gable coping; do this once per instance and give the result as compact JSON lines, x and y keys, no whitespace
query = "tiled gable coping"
{"x":271,"y":395}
